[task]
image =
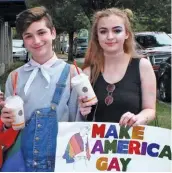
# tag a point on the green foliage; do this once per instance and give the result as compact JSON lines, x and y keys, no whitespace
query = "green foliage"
{"x":70,"y":17}
{"x":163,"y":115}
{"x":152,"y":15}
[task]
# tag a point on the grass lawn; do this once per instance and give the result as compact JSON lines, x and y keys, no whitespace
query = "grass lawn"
{"x":163,"y":111}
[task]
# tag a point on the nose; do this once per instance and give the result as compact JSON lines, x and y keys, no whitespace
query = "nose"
{"x":36,"y":40}
{"x":110,"y":36}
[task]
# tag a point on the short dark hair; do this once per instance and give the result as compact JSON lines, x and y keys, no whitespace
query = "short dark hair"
{"x":27,"y":17}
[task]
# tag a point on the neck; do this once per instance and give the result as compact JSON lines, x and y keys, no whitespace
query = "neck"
{"x":44,"y":59}
{"x":112,"y":58}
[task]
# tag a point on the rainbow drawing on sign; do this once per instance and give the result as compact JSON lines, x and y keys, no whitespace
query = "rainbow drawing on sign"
{"x":77,"y":144}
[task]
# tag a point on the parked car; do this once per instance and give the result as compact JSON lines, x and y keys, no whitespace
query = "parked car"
{"x":19,"y":51}
{"x":164,"y":80}
{"x":170,"y":35}
{"x":80,"y":46}
{"x":156,"y":46}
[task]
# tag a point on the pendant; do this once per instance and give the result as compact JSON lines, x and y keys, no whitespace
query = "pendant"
{"x":108,"y":100}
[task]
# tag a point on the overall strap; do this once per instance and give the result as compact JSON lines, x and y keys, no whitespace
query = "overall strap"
{"x":61,"y":84}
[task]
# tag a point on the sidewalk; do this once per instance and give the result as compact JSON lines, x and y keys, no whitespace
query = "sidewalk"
{"x":65,"y":58}
{"x":62,"y":56}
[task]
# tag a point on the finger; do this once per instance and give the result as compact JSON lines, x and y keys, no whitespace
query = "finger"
{"x":123,"y":117}
{"x":82,"y":98}
{"x":87,"y":104}
{"x":7,"y":110}
{"x":2,"y":103}
{"x":85,"y":111}
{"x":127,"y":119}
{"x":7,"y":120}
{"x":132,"y":121}
{"x":1,"y":96}
{"x":7,"y":115}
{"x":136,"y":123}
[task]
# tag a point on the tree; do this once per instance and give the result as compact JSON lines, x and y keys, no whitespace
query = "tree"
{"x":70,"y":18}
{"x":148,"y":14}
{"x":153,"y":16}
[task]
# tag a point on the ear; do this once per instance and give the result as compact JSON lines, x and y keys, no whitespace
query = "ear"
{"x":126,"y":35}
{"x":53,"y":32}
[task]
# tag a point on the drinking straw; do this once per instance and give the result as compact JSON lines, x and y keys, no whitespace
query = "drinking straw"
{"x":15,"y":83}
{"x":75,"y":64}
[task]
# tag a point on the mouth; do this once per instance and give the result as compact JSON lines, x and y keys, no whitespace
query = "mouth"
{"x":110,"y":43}
{"x":38,"y":47}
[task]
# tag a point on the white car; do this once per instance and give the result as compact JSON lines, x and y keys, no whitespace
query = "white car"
{"x":19,"y":52}
{"x":170,"y":35}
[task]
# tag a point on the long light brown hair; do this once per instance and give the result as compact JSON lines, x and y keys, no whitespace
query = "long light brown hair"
{"x":94,"y":56}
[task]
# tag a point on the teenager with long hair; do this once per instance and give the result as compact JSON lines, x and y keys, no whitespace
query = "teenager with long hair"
{"x":125,"y":84}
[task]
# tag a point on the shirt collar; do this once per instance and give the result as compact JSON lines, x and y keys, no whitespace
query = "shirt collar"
{"x":47,"y":64}
{"x":35,"y":67}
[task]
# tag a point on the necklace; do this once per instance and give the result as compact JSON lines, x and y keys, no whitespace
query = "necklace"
{"x":109,"y":98}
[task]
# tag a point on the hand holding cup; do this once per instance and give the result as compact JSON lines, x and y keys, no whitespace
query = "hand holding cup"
{"x":84,"y":106}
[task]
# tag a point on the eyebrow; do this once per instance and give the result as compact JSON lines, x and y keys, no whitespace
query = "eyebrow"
{"x":116,"y":27}
{"x":27,"y":33}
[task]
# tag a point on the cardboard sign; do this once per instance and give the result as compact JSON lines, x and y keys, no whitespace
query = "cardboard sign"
{"x":110,"y":147}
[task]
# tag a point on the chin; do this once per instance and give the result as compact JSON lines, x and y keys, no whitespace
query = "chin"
{"x":111,"y":50}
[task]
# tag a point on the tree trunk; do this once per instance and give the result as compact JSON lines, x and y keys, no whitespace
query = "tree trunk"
{"x":70,"y":52}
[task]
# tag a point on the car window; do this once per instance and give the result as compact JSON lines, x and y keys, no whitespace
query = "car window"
{"x":79,"y":41}
{"x":154,"y":40}
{"x":17,"y":43}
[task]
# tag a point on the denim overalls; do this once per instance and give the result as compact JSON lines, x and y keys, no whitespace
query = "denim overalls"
{"x":39,"y":136}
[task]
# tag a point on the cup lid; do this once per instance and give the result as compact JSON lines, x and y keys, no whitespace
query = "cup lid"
{"x":13,"y":101}
{"x":78,"y":79}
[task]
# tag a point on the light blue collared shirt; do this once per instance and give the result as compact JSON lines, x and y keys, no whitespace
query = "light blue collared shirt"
{"x":40,"y":96}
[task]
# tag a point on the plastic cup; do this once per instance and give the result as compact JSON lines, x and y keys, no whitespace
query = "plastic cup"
{"x":16,"y":104}
{"x":83,"y":87}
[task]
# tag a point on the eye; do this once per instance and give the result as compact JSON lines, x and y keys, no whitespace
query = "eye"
{"x":103,"y":32}
{"x":117,"y":31}
{"x":28,"y":36}
{"x":42,"y":33}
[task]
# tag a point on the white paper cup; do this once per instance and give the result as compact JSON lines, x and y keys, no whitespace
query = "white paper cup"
{"x":83,"y":87}
{"x":16,"y":104}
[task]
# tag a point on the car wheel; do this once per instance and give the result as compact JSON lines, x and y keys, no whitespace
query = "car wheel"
{"x":163,"y":94}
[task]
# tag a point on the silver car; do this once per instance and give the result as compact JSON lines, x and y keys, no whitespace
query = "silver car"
{"x":19,"y":52}
{"x":80,"y":46}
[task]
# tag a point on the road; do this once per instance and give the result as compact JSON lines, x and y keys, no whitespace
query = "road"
{"x":65,"y":58}
{"x":80,"y":60}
